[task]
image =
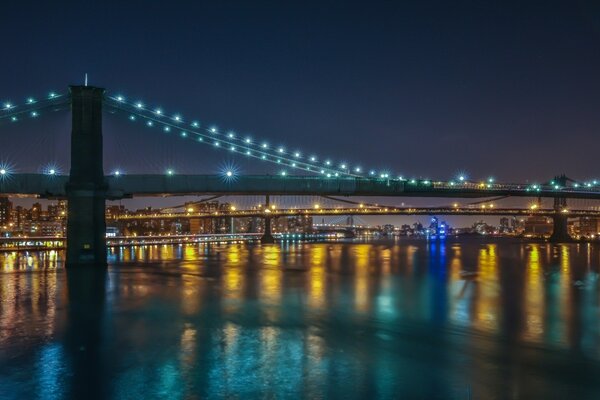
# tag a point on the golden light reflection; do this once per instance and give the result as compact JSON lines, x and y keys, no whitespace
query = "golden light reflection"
{"x":361,"y":277}
{"x":317,"y":277}
{"x":486,"y":304}
{"x":187,"y":345}
{"x":534,"y":296}
{"x":565,"y":286}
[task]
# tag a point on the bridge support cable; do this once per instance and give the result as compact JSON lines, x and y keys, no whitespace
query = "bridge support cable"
{"x":229,"y":141}
{"x":33,"y":108}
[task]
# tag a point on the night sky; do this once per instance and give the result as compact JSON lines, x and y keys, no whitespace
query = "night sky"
{"x":421,"y":89}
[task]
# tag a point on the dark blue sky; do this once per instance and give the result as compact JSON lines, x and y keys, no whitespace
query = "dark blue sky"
{"x":422,"y":88}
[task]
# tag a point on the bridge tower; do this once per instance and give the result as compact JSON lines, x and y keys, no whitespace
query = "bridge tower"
{"x":86,"y":188}
{"x":267,"y":236}
{"x":560,"y":230}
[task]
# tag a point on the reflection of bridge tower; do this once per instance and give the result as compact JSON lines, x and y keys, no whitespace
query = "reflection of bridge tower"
{"x":560,"y":232}
{"x":86,"y":188}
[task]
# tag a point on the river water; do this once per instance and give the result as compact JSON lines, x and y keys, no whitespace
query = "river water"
{"x":469,"y":318}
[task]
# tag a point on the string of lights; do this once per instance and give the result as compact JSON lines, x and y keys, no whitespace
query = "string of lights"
{"x":32,"y":106}
{"x":156,"y":117}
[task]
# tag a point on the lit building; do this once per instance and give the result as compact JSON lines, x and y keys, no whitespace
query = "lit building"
{"x":5,"y":210}
{"x":538,"y":225}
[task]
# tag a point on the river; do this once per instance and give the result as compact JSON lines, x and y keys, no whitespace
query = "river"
{"x":468,"y":318}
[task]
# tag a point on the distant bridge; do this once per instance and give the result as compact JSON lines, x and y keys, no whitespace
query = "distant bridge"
{"x":406,"y":211}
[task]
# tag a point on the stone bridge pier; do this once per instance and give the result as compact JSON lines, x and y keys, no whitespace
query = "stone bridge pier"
{"x":86,"y":188}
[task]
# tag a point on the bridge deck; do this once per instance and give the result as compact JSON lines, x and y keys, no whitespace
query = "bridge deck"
{"x":124,"y":186}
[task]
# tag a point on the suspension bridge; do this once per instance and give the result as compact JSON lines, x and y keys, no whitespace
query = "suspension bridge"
{"x":87,"y":188}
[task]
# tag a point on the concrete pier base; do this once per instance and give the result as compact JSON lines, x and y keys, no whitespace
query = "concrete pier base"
{"x":560,"y":231}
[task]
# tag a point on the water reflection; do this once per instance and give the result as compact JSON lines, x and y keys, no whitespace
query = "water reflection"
{"x":351,"y":320}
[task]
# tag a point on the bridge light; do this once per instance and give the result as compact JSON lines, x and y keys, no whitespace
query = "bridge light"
{"x":213,"y":130}
{"x":190,"y":210}
{"x":248,"y":152}
{"x":297,"y":154}
{"x":313,"y":159}
{"x":316,"y":206}
{"x":30,"y":100}
{"x":576,"y":185}
{"x":556,"y":187}
{"x":216,"y":144}
{"x":293,"y":164}
{"x":281,"y":150}
{"x":51,"y":171}
{"x":120,"y":99}
{"x":263,"y":157}
{"x":490,"y":180}
{"x":139,"y":105}
{"x":595,"y":182}
{"x":13,"y":119}
{"x":329,"y":175}
{"x":565,"y":210}
{"x":117,"y":173}
{"x":248,"y":140}
{"x":52,"y":95}
{"x":357,"y":169}
{"x":343,"y":166}
{"x":327,"y":162}
{"x":264,"y":146}
{"x":336,"y":174}
{"x":534,"y":206}
{"x":150,"y":123}
{"x":451,"y":183}
{"x":232,"y":148}
{"x":34,"y":114}
{"x":231,"y":135}
{"x":132,"y":117}
{"x":283,"y":173}
{"x":371,"y":172}
{"x":158,"y":111}
{"x":455,"y":205}
{"x":195,"y":124}
{"x":177,"y":118}
{"x":461,"y":178}
{"x":167,"y":129}
{"x":588,"y":184}
{"x":3,"y":171}
{"x":232,"y":208}
{"x":200,"y":139}
{"x":183,"y":134}
{"x":8,"y":106}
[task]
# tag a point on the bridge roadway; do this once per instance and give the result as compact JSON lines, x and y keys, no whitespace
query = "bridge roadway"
{"x":274,"y":213}
{"x":127,"y":186}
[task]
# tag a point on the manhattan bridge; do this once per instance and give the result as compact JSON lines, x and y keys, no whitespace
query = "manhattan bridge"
{"x":324,"y":187}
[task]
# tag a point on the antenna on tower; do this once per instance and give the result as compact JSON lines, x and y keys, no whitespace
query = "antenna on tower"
{"x":86,"y":79}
